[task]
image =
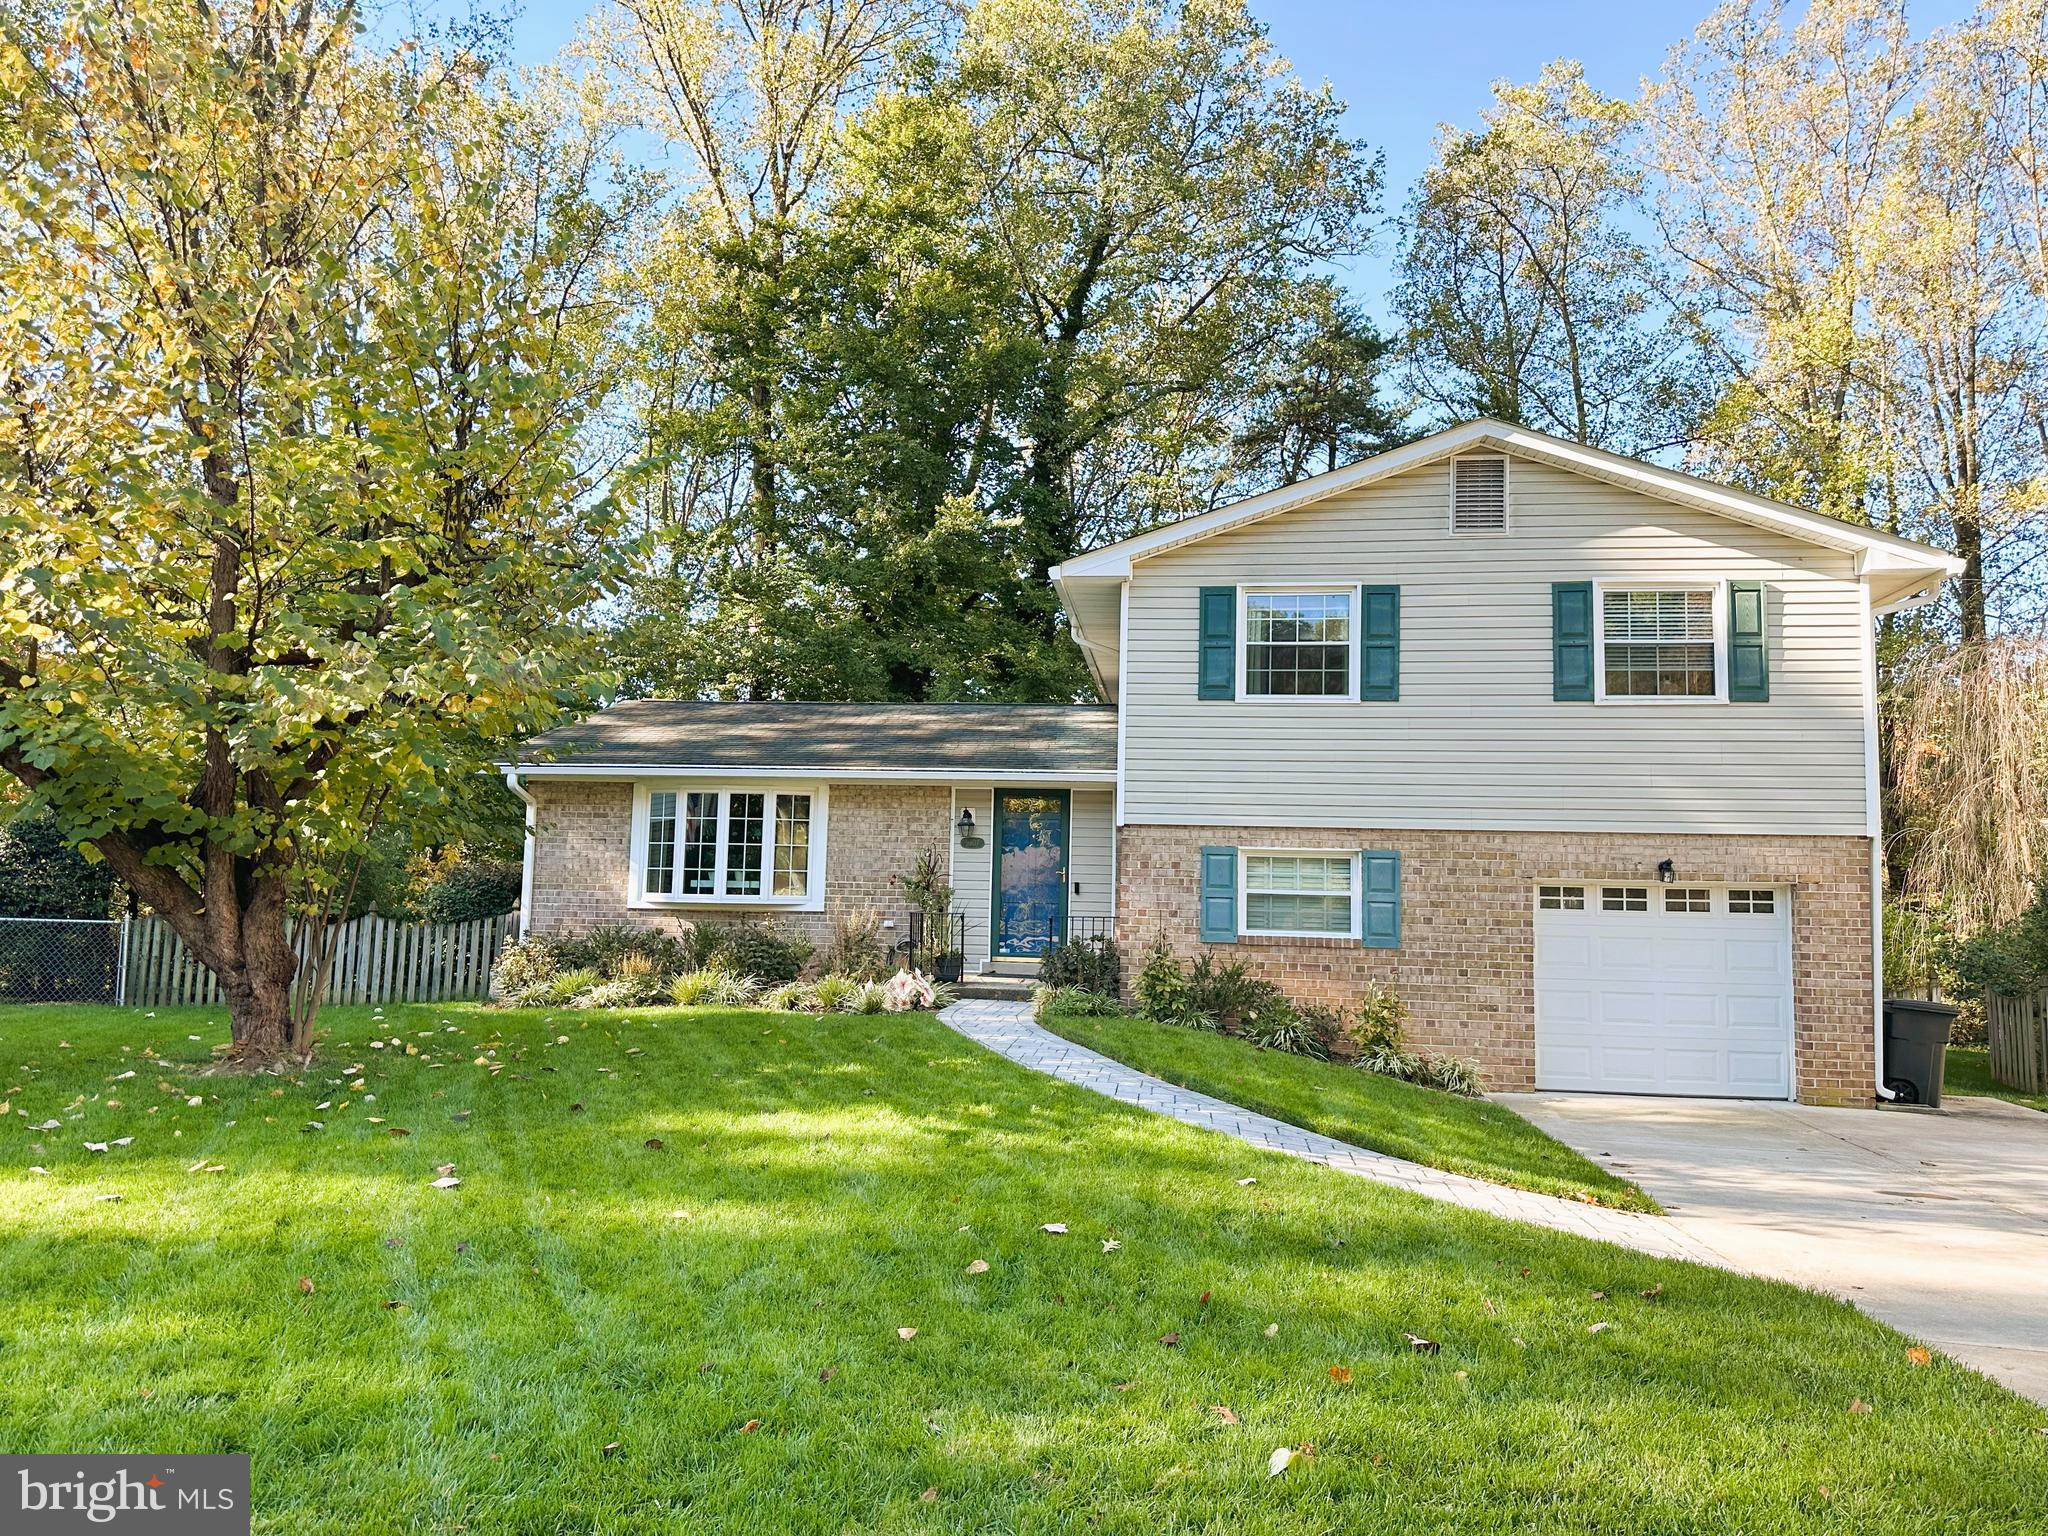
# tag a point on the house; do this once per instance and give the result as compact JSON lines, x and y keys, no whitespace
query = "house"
{"x":1577,"y":753}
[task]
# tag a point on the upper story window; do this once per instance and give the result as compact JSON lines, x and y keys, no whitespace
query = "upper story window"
{"x":1479,"y":494}
{"x":1659,"y":642}
{"x":719,"y":845}
{"x":1298,"y":644}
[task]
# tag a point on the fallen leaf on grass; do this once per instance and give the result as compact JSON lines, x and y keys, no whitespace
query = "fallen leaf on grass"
{"x":1241,"y":1183}
{"x":978,"y":1267}
{"x":1918,"y":1356}
{"x":1599,"y":1295}
{"x":1223,"y":1413}
{"x":611,"y":1450}
{"x":1280,"y":1460}
{"x":750,"y":1426}
{"x":1597,"y":1327}
{"x":1420,"y":1345}
{"x":655,"y":1143}
{"x":444,"y":1168}
{"x":305,"y":1285}
{"x":906,"y":1334}
{"x":929,"y":1496}
{"x":1125,"y":1386}
{"x":1057,"y":1228}
{"x":1341,"y":1374}
{"x":1170,"y":1340}
{"x":1857,"y":1405}
{"x":394,"y":1306}
{"x":828,"y":1373}
{"x":1110,"y":1245}
{"x":1272,"y":1330}
{"x":450,"y":1182}
{"x":103,"y":1199}
{"x":48,"y":1125}
{"x":1204,"y":1301}
{"x":1653,"y":1292}
{"x":397,"y":1130}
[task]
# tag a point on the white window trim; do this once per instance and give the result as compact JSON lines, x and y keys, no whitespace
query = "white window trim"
{"x":1507,"y":500}
{"x":1245,"y":593}
{"x":1719,"y":591}
{"x":639,"y":899}
{"x":1244,"y":858}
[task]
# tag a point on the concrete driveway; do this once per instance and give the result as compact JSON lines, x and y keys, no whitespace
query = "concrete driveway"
{"x":1934,"y":1221}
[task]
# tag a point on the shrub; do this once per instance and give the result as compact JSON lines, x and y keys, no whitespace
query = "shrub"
{"x":915,"y":992}
{"x":611,"y":994}
{"x":1072,"y":1003}
{"x":1091,"y":965}
{"x":1452,"y":1074}
{"x":640,"y":981}
{"x":836,"y":992}
{"x":1277,"y":1025}
{"x":1163,"y":993}
{"x":521,"y":967}
{"x":856,"y":947}
{"x":1228,"y":993}
{"x":712,"y":987}
{"x":757,"y":950}
{"x":460,"y":886}
{"x":791,"y":997}
{"x":567,"y":986}
{"x":1381,"y":1020}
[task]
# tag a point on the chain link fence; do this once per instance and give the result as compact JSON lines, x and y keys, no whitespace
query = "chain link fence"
{"x":60,"y":960}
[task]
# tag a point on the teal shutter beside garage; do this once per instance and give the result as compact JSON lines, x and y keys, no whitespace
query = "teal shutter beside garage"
{"x":1379,"y":648}
{"x":1749,"y":667}
{"x":1217,"y":659}
{"x":1219,"y":896}
{"x":1571,"y":641}
{"x":1379,"y":870}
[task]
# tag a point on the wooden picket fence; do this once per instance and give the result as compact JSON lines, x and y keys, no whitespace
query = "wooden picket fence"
{"x":2017,"y":1030}
{"x":376,"y":960}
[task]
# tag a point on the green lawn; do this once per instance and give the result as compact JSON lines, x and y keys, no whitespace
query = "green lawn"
{"x":1968,"y":1071}
{"x":592,"y":1335}
{"x":1424,"y":1125}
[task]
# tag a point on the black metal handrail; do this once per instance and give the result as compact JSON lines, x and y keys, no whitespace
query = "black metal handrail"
{"x":938,"y":951}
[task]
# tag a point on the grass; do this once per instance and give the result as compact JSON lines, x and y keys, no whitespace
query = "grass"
{"x":592,"y":1335}
{"x":1968,"y":1071}
{"x":1424,"y":1125}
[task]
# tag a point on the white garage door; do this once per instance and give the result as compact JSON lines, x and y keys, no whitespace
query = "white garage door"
{"x":1664,"y":989}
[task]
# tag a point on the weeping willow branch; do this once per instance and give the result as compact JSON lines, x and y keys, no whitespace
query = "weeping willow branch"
{"x":1969,"y":741}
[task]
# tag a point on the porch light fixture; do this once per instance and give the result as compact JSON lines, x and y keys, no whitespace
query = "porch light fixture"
{"x":1666,"y":871}
{"x":966,"y":827}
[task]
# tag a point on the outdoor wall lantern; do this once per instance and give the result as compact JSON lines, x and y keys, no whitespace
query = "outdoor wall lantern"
{"x":1666,"y":871}
{"x":966,"y":828}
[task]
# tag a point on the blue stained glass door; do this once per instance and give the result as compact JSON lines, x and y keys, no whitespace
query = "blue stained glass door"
{"x":1031,"y":870}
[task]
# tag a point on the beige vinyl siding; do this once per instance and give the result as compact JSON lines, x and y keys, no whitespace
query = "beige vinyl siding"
{"x":1476,"y":740}
{"x":1091,"y":838}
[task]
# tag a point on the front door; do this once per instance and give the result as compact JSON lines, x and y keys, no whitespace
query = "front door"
{"x":1031,"y":870}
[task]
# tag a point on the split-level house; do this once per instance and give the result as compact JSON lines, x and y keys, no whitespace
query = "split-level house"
{"x":1576,"y":753}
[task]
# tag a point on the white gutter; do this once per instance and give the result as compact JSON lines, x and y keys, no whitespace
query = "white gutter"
{"x":526,"y":861}
{"x":578,"y":768}
{"x":1874,"y":827}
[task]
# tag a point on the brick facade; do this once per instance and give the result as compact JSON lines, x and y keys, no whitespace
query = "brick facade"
{"x":1467,"y":961}
{"x":581,"y":858}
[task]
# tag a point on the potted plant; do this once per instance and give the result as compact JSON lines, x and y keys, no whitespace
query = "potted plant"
{"x":932,"y":896}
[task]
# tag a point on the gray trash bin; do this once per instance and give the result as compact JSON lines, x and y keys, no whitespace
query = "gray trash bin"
{"x":1915,"y":1048}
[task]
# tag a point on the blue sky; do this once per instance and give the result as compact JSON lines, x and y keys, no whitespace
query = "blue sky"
{"x":1403,"y":68}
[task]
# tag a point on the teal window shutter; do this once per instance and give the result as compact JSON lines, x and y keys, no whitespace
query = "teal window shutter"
{"x":1749,"y":650}
{"x":1219,"y":896}
{"x":1571,"y":641}
{"x":1379,"y":641}
{"x":1380,"y":871}
{"x":1217,"y":674}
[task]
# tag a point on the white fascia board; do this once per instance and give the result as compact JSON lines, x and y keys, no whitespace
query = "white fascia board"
{"x":1886,"y":549}
{"x":580,"y":769}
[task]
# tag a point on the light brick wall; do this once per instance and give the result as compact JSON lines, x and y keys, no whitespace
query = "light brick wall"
{"x":873,"y":832}
{"x":1466,"y":965}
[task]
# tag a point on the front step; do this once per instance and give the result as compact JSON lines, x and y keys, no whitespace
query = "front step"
{"x":999,"y":987}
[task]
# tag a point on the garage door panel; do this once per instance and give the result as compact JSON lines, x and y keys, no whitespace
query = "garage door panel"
{"x":1665,"y":1001}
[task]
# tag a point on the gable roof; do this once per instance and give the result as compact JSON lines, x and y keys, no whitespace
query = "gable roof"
{"x":1031,"y":742}
{"x":1901,"y":572}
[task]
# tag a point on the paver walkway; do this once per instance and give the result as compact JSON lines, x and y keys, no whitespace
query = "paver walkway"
{"x":1007,"y":1029}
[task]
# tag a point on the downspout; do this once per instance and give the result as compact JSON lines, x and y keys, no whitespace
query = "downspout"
{"x":1874,"y":827}
{"x":526,"y":861}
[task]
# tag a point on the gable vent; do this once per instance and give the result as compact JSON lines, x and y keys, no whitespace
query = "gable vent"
{"x":1479,"y":495}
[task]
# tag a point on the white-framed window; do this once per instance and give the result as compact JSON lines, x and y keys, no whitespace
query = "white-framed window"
{"x":1660,"y":642}
{"x":1561,"y":898}
{"x":1687,"y":898}
{"x":1299,"y":643}
{"x":1297,"y":894}
{"x":715,"y":844}
{"x":1625,"y":898}
{"x":1752,"y":903}
{"x":1479,"y":493}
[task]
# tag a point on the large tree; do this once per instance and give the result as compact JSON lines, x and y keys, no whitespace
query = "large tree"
{"x":296,"y":342}
{"x":1523,"y":294}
